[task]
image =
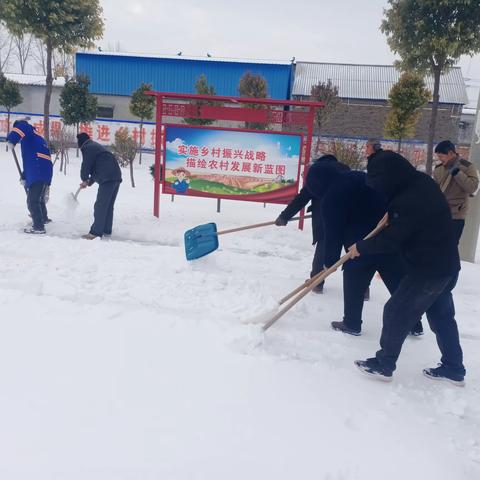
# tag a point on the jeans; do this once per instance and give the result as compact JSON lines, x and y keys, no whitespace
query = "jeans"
{"x":414,"y":297}
{"x":103,"y":209}
{"x":36,"y":204}
{"x":357,"y":279}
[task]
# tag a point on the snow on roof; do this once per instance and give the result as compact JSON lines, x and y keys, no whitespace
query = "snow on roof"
{"x":205,"y":58}
{"x":30,"y":79}
{"x":371,"y":81}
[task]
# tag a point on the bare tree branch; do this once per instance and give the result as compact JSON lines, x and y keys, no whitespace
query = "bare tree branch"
{"x":6,"y":46}
{"x":22,"y":46}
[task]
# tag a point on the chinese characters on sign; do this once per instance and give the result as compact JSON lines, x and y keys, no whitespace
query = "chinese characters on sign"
{"x":233,"y":160}
{"x":101,"y":131}
{"x":223,"y":163}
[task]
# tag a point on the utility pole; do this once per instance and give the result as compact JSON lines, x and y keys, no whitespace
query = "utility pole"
{"x":468,"y":242}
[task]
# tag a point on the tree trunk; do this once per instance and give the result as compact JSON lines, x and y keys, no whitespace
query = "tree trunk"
{"x":399,"y":145}
{"x":433,"y":119}
{"x":48,"y":92}
{"x":131,"y":173}
{"x":140,"y":141}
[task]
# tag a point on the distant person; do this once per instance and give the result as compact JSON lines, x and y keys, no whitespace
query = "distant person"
{"x":37,"y":172}
{"x":421,"y":230}
{"x":458,"y":180}
{"x":101,"y":166}
{"x":299,"y":202}
{"x":350,"y":209}
{"x":372,"y":147}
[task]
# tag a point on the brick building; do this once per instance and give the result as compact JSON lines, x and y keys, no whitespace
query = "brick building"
{"x":364,"y":92}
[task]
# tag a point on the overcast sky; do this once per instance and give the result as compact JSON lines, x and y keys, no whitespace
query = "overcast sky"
{"x":342,"y":31}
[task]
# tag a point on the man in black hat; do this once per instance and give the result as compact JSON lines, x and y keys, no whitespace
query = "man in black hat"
{"x":350,"y":209}
{"x":420,"y":228}
{"x":99,"y":165}
{"x":299,"y":202}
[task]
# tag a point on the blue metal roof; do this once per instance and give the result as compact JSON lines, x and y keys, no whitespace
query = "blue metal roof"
{"x":120,"y":74}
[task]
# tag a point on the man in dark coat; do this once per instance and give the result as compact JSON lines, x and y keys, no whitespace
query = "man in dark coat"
{"x":299,"y":202}
{"x":350,"y":210}
{"x":100,"y":165}
{"x":420,"y":228}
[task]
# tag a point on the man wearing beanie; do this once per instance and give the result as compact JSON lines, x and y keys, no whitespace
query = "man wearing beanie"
{"x":99,"y":165}
{"x":299,"y":202}
{"x":458,"y":180}
{"x":350,"y":210}
{"x":420,"y":228}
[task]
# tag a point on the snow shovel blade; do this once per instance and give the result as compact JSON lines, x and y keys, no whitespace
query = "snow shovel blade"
{"x":200,"y":241}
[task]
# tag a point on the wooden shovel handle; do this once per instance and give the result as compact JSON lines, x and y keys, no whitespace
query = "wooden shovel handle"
{"x":309,"y":285}
{"x":257,"y":225}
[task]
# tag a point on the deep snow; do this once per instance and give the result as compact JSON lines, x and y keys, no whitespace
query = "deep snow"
{"x":121,"y":360}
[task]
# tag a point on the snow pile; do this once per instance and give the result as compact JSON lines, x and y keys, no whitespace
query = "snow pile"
{"x":120,"y":360}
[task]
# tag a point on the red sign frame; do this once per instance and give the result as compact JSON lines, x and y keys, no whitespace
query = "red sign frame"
{"x":304,"y":117}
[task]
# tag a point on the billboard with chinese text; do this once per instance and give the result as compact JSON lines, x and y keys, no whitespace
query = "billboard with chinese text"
{"x":101,"y":130}
{"x":222,"y":163}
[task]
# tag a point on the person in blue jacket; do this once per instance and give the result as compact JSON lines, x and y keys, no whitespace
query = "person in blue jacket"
{"x":37,"y":171}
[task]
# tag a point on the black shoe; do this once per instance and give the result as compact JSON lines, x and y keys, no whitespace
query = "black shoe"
{"x":47,"y":220}
{"x":372,"y":368}
{"x":34,"y":231}
{"x":442,"y":373}
{"x":416,"y":333}
{"x":318,"y":289}
{"x":341,"y":327}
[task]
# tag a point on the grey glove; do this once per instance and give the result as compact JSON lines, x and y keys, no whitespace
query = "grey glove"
{"x":280,"y":221}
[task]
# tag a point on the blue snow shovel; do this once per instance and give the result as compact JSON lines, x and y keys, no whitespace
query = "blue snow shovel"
{"x":203,"y":239}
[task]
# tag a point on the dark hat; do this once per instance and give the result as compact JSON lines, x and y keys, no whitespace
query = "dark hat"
{"x":388,"y":172}
{"x":445,"y":147}
{"x":82,"y":138}
{"x":320,"y":177}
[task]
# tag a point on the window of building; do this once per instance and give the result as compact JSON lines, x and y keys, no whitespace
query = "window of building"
{"x":105,"y":111}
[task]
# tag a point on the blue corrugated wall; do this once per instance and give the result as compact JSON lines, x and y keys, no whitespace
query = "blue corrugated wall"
{"x":121,"y":75}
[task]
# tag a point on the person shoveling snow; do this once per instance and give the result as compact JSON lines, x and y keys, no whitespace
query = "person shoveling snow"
{"x":37,"y":171}
{"x":99,"y":165}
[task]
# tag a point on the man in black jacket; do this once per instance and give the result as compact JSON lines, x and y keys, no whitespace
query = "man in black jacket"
{"x":299,"y":202}
{"x":350,"y":210}
{"x":99,"y":165}
{"x":420,"y":228}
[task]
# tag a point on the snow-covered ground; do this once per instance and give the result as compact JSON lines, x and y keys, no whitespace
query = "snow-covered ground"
{"x":121,"y":360}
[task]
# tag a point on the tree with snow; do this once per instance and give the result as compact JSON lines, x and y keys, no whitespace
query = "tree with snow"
{"x":142,"y":106}
{"x":60,"y":24}
{"x":202,"y":88}
{"x":254,"y":86}
{"x":77,"y":104}
{"x":10,"y":96}
{"x":406,"y":98}
{"x":431,"y":36}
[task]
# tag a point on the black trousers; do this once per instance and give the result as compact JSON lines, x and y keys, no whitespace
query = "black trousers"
{"x":318,"y":262}
{"x":458,"y":226}
{"x":357,"y":279}
{"x":36,"y":204}
{"x":414,"y":297}
{"x":103,"y":209}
